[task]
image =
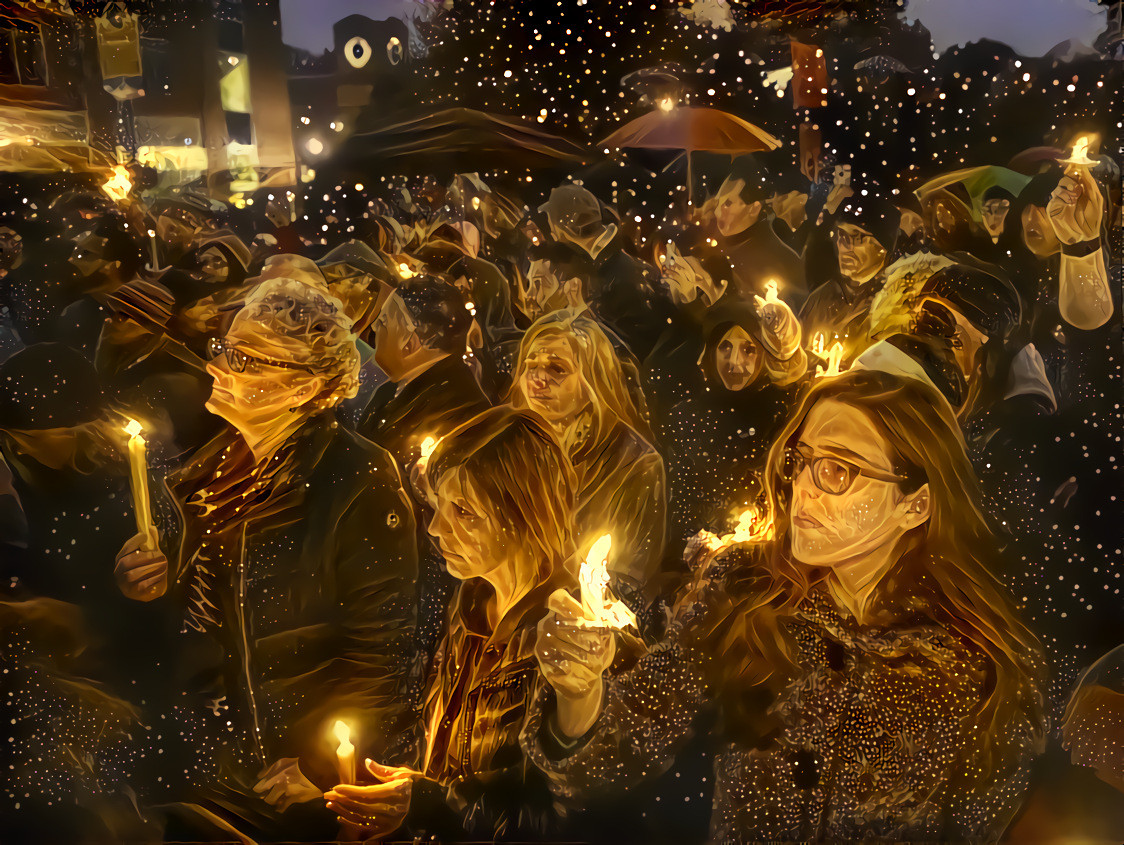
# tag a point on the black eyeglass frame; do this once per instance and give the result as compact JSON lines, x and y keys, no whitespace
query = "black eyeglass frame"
{"x":801,"y":455}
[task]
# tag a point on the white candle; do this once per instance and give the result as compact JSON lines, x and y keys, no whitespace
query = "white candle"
{"x":345,"y":752}
{"x":138,"y":482}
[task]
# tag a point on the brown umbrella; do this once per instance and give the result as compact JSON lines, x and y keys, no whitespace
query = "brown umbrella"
{"x":691,"y":129}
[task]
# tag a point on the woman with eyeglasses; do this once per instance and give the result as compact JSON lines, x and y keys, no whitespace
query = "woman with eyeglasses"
{"x":871,"y":678}
{"x":293,"y":569}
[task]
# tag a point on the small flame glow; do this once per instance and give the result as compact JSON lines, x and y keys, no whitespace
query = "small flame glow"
{"x":343,"y":735}
{"x":834,"y":360}
{"x":404,"y":271}
{"x":602,"y":609}
{"x":133,"y":428}
{"x":666,"y":104}
{"x":1081,"y":149}
{"x":427,"y":447}
{"x":119,"y":184}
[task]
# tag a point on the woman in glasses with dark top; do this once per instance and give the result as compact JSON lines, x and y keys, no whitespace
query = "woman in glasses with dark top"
{"x":292,"y":576}
{"x":871,"y":677}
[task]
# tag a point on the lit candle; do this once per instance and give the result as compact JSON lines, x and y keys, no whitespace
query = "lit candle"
{"x":119,"y":184}
{"x":345,"y":752}
{"x":138,"y":482}
{"x":1080,"y":154}
{"x":427,"y":447}
{"x":834,"y":358}
{"x":404,"y":271}
{"x":600,"y":607}
{"x":771,"y":288}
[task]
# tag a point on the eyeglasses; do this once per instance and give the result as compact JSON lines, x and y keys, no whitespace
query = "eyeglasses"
{"x":831,"y":475}
{"x":857,"y":239}
{"x":239,"y":360}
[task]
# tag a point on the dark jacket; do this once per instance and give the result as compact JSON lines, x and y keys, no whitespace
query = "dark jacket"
{"x":749,"y":259}
{"x":433,"y":404}
{"x":304,"y":611}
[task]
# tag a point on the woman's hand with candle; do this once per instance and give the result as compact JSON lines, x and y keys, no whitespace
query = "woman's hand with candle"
{"x":141,"y":573}
{"x":1076,"y":207}
{"x":378,"y":808}
{"x":573,"y":658}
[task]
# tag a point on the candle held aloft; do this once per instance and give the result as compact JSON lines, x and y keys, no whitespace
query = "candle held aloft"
{"x":138,"y":483}
{"x":1080,"y":153}
{"x":345,"y":752}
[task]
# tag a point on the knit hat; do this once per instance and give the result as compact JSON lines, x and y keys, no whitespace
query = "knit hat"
{"x":874,"y":215}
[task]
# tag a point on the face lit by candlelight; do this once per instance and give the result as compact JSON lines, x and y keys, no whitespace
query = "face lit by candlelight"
{"x":848,"y":454}
{"x":736,"y":359}
{"x":994,"y":215}
{"x":733,"y":214}
{"x":257,"y":385}
{"x":551,"y":381}
{"x":467,"y":533}
{"x":860,"y":254}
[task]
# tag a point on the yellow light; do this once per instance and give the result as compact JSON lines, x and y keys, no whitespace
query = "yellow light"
{"x":314,"y":146}
{"x":119,"y":184}
{"x":405,"y":272}
{"x":666,"y":104}
{"x":427,"y":447}
{"x":133,"y":429}
{"x":343,"y":734}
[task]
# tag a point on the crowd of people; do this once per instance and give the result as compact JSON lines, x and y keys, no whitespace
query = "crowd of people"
{"x":845,"y":449}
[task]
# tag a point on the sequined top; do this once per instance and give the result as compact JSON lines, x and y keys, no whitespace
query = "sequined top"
{"x":872,"y":737}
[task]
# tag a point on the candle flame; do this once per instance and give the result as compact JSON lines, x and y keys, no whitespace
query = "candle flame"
{"x":427,"y":447}
{"x":119,"y":184}
{"x":602,"y":609}
{"x":133,"y":429}
{"x":404,"y":271}
{"x":666,"y":104}
{"x":817,"y":345}
{"x":1081,"y":149}
{"x":751,"y":528}
{"x":771,"y":288}
{"x":343,"y":735}
{"x":834,"y":358}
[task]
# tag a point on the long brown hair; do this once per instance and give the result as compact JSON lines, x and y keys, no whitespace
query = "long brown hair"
{"x":948,"y":561}
{"x":613,"y":385}
{"x":516,"y":466}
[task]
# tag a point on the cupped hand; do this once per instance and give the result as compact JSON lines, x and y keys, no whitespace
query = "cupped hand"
{"x":1076,"y":207}
{"x":379,"y":808}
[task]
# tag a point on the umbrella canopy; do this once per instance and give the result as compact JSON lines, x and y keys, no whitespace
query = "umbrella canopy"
{"x":972,"y":183}
{"x":457,"y":141}
{"x":692,"y":129}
